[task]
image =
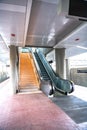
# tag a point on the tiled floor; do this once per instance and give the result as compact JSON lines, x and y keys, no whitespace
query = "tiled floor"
{"x":83,"y":126}
{"x":74,"y":105}
{"x":5,"y":90}
{"x":33,"y":112}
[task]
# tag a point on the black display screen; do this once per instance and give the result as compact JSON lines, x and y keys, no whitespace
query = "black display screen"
{"x":78,"y":8}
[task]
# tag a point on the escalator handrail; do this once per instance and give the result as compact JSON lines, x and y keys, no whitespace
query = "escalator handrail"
{"x":58,"y":82}
{"x":40,"y":72}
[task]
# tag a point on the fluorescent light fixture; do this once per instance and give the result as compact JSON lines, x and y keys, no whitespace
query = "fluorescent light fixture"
{"x":82,"y":47}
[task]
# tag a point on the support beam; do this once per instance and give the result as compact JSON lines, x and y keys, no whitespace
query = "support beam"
{"x":28,"y":12}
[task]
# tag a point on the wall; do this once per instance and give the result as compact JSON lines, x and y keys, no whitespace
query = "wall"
{"x":51,"y":57}
{"x":3,"y":72}
{"x":79,"y":76}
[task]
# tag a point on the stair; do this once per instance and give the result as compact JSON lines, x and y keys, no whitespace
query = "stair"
{"x":27,"y":72}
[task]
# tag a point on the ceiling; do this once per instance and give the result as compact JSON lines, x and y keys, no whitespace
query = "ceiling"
{"x":41,"y":23}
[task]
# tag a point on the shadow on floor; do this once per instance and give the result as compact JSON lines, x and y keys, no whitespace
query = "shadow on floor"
{"x":73,"y":107}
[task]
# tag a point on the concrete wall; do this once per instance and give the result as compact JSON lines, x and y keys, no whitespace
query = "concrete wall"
{"x":79,"y":76}
{"x":51,"y":57}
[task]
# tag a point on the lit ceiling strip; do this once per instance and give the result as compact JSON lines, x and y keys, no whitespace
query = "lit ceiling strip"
{"x":14,"y":8}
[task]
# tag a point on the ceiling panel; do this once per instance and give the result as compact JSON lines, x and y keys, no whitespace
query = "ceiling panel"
{"x":73,"y":51}
{"x":78,"y":38}
{"x":14,"y":2}
{"x":39,"y":27}
{"x":48,"y":24}
{"x":50,"y":1}
{"x":12,"y":21}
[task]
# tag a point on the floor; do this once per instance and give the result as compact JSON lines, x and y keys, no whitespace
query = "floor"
{"x":32,"y":111}
{"x":5,"y":90}
{"x":74,"y":105}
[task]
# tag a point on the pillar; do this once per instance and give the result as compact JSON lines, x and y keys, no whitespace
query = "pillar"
{"x":60,"y":62}
{"x":13,"y":67}
{"x":68,"y":69}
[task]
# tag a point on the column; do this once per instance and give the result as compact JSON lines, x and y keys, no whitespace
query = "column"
{"x":13,"y":67}
{"x":60,"y":62}
{"x":68,"y":69}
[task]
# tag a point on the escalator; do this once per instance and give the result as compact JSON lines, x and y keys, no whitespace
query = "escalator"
{"x":43,"y":73}
{"x":47,"y":73}
{"x":28,"y":78}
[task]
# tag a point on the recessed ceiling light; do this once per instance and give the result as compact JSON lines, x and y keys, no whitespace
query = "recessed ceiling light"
{"x":12,"y":34}
{"x":77,"y":39}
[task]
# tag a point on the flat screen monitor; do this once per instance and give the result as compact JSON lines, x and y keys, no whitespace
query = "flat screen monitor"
{"x":78,"y":8}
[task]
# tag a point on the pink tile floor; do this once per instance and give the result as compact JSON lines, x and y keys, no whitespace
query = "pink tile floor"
{"x":31,"y":112}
